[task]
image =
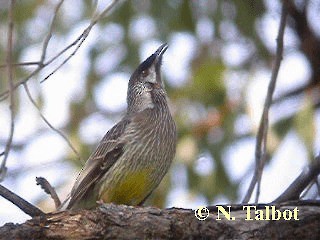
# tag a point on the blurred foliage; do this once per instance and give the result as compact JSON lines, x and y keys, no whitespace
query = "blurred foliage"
{"x":207,"y":85}
{"x":305,"y":125}
{"x":205,"y":111}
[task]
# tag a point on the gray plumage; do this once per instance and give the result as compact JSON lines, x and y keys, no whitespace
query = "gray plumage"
{"x":134,"y":155}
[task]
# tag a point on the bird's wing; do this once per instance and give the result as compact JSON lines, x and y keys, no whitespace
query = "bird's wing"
{"x":106,"y":154}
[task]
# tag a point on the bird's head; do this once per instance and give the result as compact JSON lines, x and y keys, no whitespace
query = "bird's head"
{"x":145,"y":83}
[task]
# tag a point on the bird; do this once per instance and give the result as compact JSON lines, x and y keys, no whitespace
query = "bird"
{"x":135,"y":154}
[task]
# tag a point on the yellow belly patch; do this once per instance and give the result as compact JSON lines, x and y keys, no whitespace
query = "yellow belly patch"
{"x":131,"y":190}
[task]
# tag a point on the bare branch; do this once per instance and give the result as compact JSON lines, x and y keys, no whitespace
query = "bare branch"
{"x":48,"y":123}
{"x":15,"y":173}
{"x":78,"y":42}
{"x":40,"y":64}
{"x":301,"y":182}
{"x":318,"y":185}
{"x":84,"y":35}
{"x":21,"y":64}
{"x":261,"y":141}
{"x":49,"y":35}
{"x":25,"y":206}
{"x":111,"y":221}
{"x":3,"y":168}
{"x":5,"y":94}
{"x":46,"y":186}
{"x":81,"y":38}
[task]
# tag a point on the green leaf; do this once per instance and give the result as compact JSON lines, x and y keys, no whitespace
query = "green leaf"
{"x":208,"y":86}
{"x":282,"y":127}
{"x":305,"y":125}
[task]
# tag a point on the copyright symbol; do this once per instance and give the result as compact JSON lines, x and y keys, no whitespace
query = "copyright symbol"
{"x":202,"y":213}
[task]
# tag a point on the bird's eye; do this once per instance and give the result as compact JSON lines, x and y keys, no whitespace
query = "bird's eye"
{"x":145,"y":73}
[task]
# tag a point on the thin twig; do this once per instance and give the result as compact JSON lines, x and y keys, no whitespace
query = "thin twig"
{"x":82,"y":38}
{"x":307,"y":189}
{"x":301,"y":182}
{"x":49,"y":35}
{"x":25,"y":206}
{"x":84,"y":34}
{"x":3,"y":168}
{"x":318,"y":186}
{"x":261,"y":141}
{"x":48,"y":123}
{"x":21,"y":64}
{"x":42,"y":65}
{"x":4,"y":95}
{"x":46,"y":186}
{"x":15,"y":173}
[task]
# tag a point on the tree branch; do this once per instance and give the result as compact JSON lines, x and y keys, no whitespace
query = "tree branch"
{"x":46,"y":186}
{"x":48,"y":123}
{"x":126,"y":222}
{"x":78,"y":42}
{"x":261,"y":141}
{"x":3,"y":168}
{"x":25,"y":206}
{"x":81,"y":39}
{"x":21,"y":64}
{"x":49,"y":35}
{"x":301,"y":182}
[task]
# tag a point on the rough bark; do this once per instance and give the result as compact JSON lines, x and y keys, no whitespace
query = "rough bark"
{"x":125,"y":222}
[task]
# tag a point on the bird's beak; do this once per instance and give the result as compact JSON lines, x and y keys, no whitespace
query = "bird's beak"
{"x":158,"y":54}
{"x":157,"y":63}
